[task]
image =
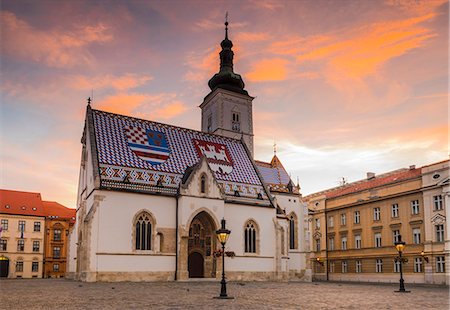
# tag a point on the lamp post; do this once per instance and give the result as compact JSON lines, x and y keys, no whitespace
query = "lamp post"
{"x":400,"y":246}
{"x":222,"y":235}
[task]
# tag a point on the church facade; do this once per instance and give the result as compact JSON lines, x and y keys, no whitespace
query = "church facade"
{"x":152,"y":195}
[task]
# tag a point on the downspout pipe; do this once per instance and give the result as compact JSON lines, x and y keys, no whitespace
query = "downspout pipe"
{"x":176,"y":233}
{"x":326,"y":241}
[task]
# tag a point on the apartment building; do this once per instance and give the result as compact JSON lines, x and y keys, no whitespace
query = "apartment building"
{"x":354,"y":227}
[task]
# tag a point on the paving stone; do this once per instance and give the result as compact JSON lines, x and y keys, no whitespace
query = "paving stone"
{"x":68,"y":294}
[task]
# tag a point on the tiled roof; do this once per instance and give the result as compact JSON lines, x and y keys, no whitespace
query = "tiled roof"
{"x":21,"y":203}
{"x":274,"y":175}
{"x":54,"y":209}
{"x":136,"y":154}
{"x":385,"y":179}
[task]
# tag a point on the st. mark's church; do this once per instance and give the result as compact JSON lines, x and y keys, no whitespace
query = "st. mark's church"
{"x":152,"y":195}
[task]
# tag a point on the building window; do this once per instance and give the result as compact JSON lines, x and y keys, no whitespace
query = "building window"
{"x":55,"y":267}
{"x":394,"y":210}
{"x":250,"y":237}
{"x":376,"y":214}
{"x":396,"y":265}
{"x":358,"y":266}
{"x":357,"y":241}
{"x":440,"y":233}
{"x":379,"y":265}
{"x":331,"y":243}
{"x":143,"y":232}
{"x":56,"y":252}
{"x":4,"y":224}
{"x":34,"y":266}
{"x":209,"y":124}
{"x":344,"y":266}
{"x":317,"y":221}
{"x":236,"y":123}
{"x":317,"y":245}
{"x":437,"y":200}
{"x":440,"y":263}
{"x":418,"y":264}
{"x":3,"y":244}
{"x":415,"y":207}
{"x":395,"y":236}
{"x":356,"y":217}
{"x":19,"y":266}
{"x":203,"y":184}
{"x":20,"y":245}
{"x":21,"y":226}
{"x":331,"y":221}
{"x":56,"y":234}
{"x":331,"y":267}
{"x":292,"y":232}
{"x":416,"y":235}
{"x":344,"y":243}
{"x":343,"y":219}
{"x":36,"y":246}
{"x":378,"y":240}
{"x":37,"y":226}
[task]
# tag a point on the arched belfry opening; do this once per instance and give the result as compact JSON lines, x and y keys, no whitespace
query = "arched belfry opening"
{"x":201,"y":246}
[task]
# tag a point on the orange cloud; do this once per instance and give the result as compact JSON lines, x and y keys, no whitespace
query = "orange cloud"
{"x":252,"y":36}
{"x":120,"y":83}
{"x":370,"y":47}
{"x":153,"y":107}
{"x":268,"y":70}
{"x":56,"y":48}
{"x":202,"y":65}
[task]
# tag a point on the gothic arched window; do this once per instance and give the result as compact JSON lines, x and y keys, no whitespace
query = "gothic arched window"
{"x":292,"y":231}
{"x":203,"y":184}
{"x":143,"y":231}
{"x":250,"y":237}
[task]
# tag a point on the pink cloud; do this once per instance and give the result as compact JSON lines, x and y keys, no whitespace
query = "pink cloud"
{"x":120,"y":83}
{"x":149,"y":106}
{"x":55,"y":48}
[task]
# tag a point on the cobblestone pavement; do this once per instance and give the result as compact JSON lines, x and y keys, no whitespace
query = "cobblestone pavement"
{"x":67,"y":294}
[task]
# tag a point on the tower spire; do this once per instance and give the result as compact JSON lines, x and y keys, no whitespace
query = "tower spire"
{"x":226,"y":78}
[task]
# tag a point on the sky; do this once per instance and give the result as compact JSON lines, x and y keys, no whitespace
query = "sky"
{"x":342,"y":87}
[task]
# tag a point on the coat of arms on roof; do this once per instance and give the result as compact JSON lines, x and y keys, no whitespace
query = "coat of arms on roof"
{"x":147,"y":144}
{"x":217,"y":155}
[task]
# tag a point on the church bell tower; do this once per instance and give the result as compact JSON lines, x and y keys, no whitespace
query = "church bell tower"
{"x":227,"y":109}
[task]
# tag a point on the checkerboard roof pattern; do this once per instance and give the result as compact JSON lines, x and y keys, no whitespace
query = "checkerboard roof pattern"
{"x":113,"y":149}
{"x":274,"y":174}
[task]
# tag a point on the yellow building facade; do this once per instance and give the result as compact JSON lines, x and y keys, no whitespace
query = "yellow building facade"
{"x":22,"y":224}
{"x":354,"y":227}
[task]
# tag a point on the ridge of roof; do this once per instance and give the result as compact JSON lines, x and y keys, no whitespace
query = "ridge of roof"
{"x":53,"y":208}
{"x":386,"y":179}
{"x":168,"y":125}
{"x":21,"y":203}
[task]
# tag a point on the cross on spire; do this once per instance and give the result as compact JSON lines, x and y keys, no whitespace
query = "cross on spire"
{"x":226,"y":25}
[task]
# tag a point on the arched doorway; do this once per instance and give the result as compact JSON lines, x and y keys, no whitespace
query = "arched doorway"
{"x":201,"y":244}
{"x":4,"y":267}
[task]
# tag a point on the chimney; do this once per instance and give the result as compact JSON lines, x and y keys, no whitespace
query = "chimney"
{"x":370,"y":175}
{"x":412,"y":167}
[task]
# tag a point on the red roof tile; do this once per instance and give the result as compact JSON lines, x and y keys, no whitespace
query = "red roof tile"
{"x":52,"y":208}
{"x":400,"y":175}
{"x":21,"y":203}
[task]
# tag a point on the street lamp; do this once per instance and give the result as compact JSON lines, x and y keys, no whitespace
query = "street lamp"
{"x":222,"y":235}
{"x":400,"y":246}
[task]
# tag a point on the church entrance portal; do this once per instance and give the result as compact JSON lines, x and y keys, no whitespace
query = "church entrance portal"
{"x":201,"y":244}
{"x":4,"y":267}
